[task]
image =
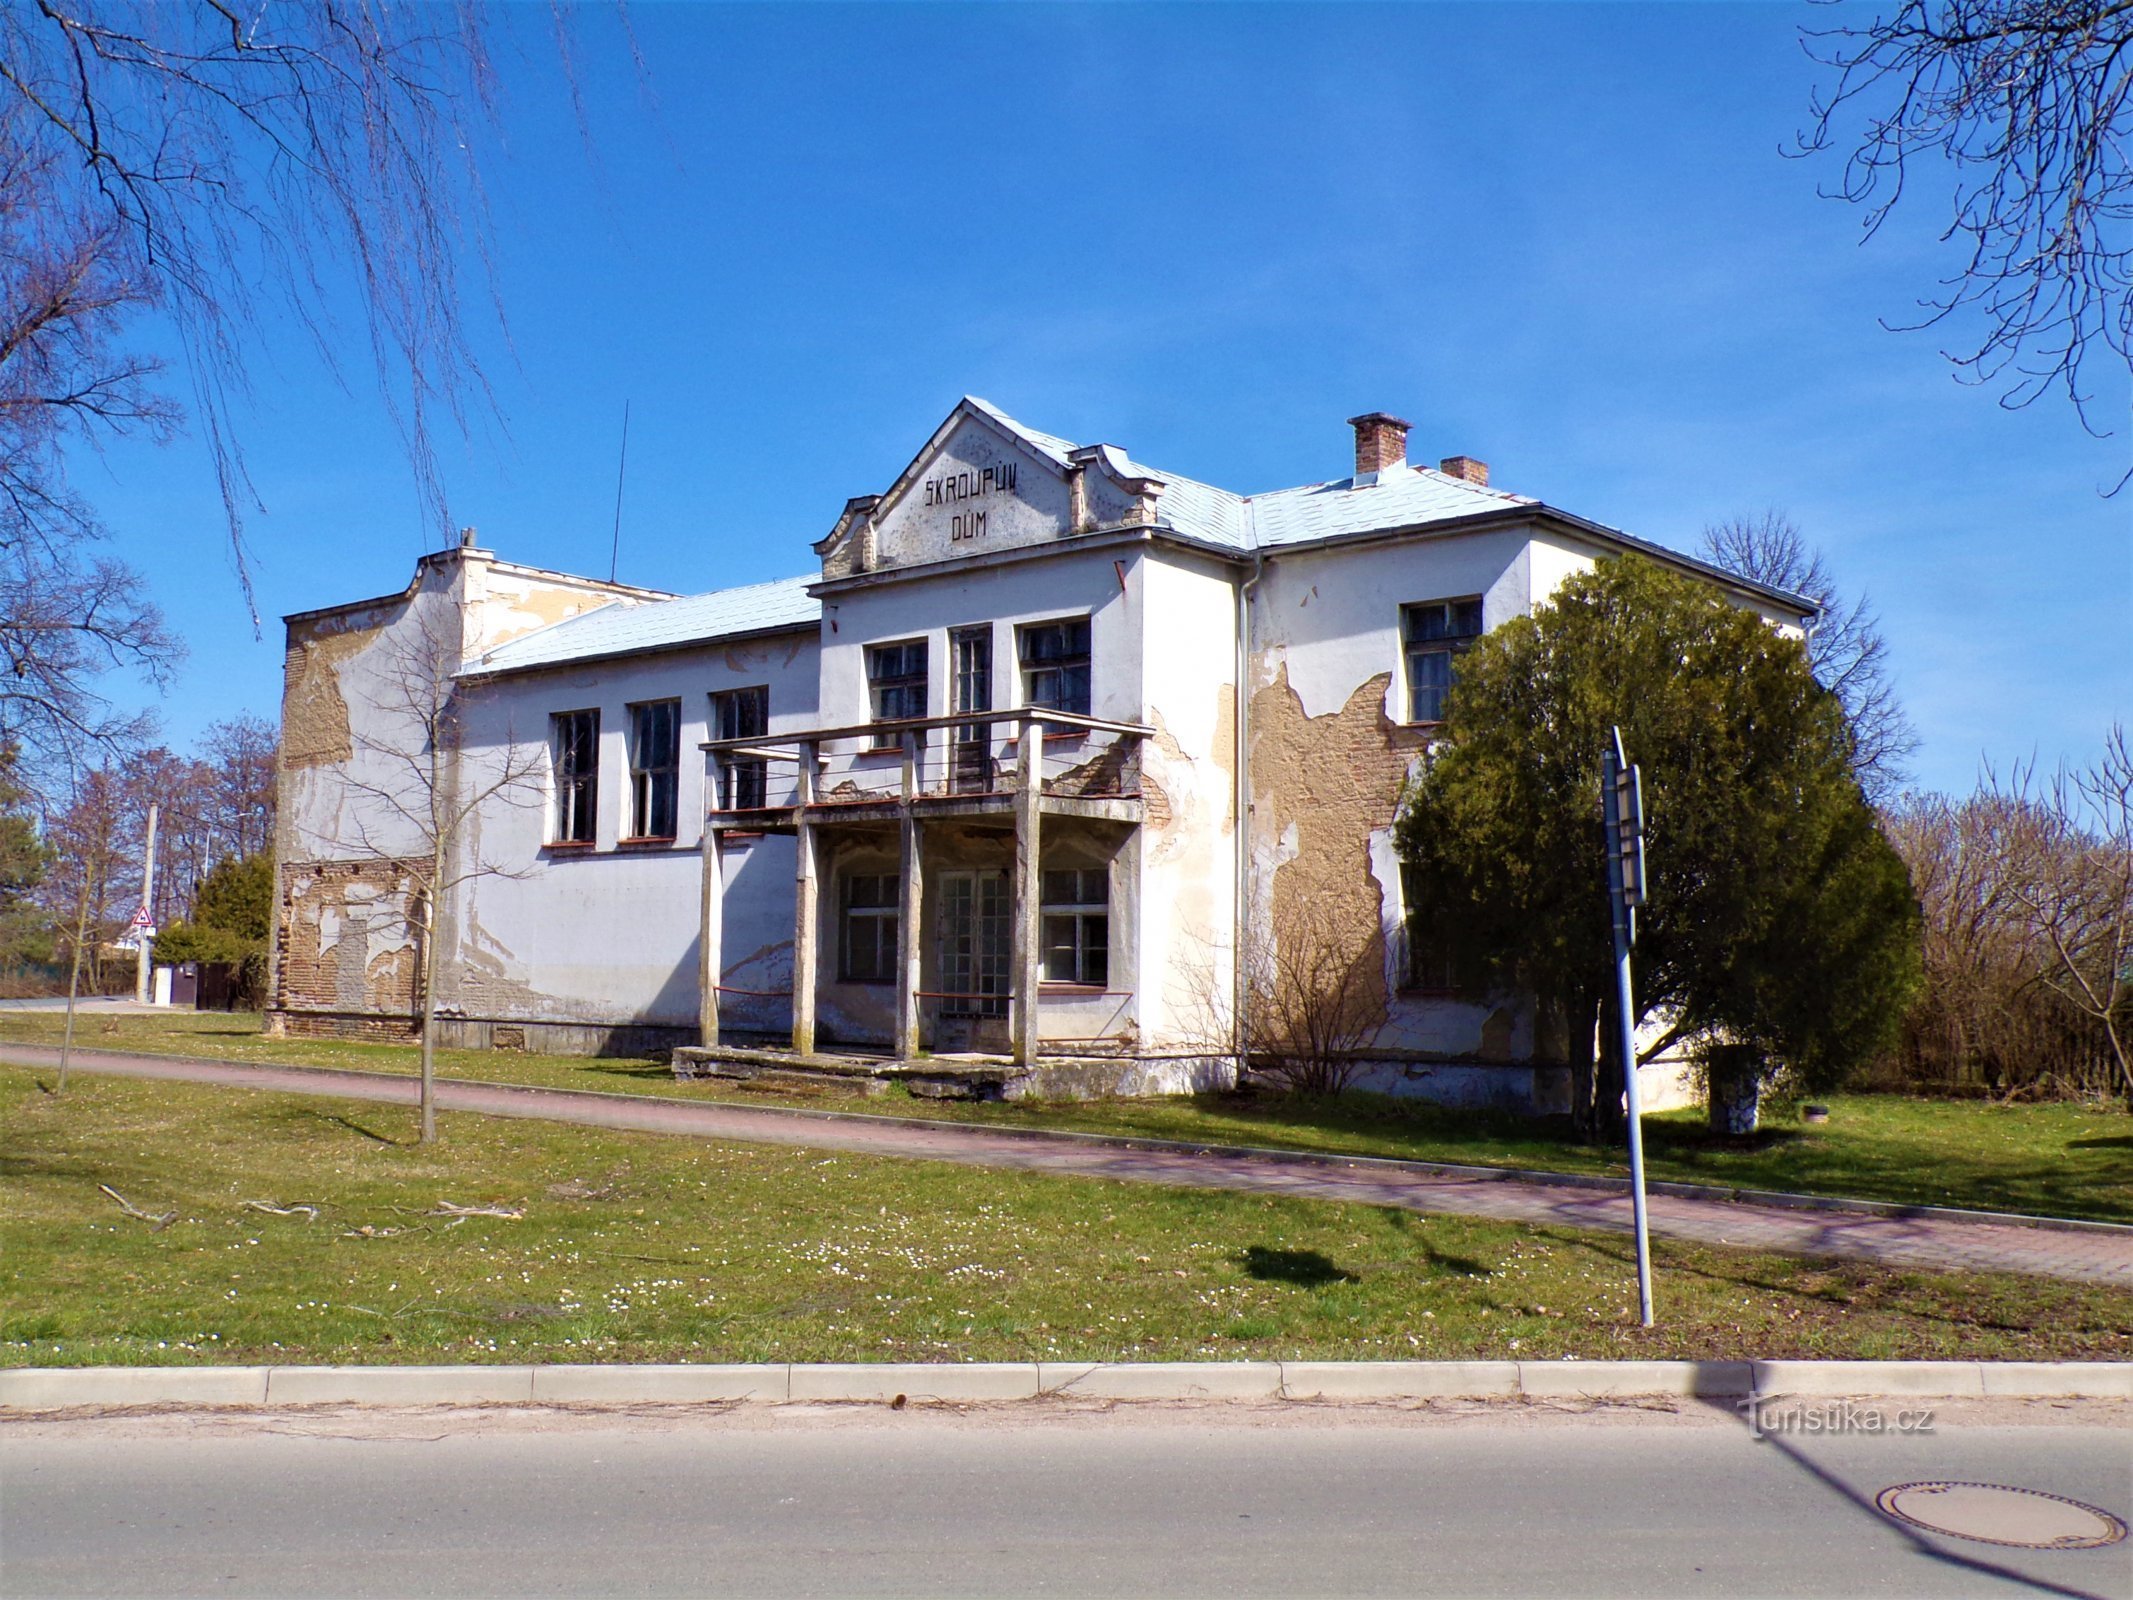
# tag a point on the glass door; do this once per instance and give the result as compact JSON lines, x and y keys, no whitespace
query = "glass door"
{"x":974,"y":943}
{"x":970,"y":745}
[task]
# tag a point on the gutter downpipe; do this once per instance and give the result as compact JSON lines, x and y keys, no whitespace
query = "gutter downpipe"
{"x":1241,"y":808}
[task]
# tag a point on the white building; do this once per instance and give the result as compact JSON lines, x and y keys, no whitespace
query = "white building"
{"x":970,"y":788}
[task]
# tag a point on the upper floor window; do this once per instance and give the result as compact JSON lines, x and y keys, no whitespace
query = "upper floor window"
{"x":574,"y":753}
{"x":1433,"y":634}
{"x":1077,"y":925}
{"x":740,"y":714}
{"x":1055,"y":665}
{"x":655,"y":767}
{"x":896,"y":679}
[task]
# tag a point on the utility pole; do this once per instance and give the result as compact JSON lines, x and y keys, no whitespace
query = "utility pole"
{"x":143,"y":922}
{"x":1622,"y":803}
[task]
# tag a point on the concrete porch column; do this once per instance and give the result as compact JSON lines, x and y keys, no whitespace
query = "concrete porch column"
{"x":710,"y":962}
{"x":1027,"y":944}
{"x":807,"y":906}
{"x":909,"y":908}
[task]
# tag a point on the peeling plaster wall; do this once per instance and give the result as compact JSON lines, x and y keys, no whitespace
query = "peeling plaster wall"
{"x":345,"y":716}
{"x":607,"y":940}
{"x":1187,"y":881}
{"x":344,"y":942}
{"x":506,"y":601}
{"x":1330,"y":749}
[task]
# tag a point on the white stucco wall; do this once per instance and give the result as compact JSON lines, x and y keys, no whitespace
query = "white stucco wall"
{"x":611,"y":934}
{"x":1187,"y":877}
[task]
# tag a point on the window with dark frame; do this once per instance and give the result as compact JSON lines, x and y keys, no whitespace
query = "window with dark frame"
{"x":1434,"y":634}
{"x":1438,"y":960}
{"x":867,"y":936}
{"x":1055,"y":665}
{"x":1076,"y":912}
{"x":741,"y":714}
{"x":574,"y":750}
{"x":896,"y":680}
{"x":655,"y":768}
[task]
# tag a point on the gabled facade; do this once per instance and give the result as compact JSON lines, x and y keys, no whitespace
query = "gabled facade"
{"x":1040,"y":763}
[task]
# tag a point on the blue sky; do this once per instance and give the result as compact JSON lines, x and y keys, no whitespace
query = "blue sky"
{"x":1560,"y":237}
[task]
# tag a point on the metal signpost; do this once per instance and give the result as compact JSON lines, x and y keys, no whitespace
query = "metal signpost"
{"x":1622,"y":801}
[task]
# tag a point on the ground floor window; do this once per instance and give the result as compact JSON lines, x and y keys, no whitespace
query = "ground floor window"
{"x":655,"y":767}
{"x":1437,"y":959}
{"x":1077,"y":925}
{"x":867,"y":945}
{"x":574,"y":750}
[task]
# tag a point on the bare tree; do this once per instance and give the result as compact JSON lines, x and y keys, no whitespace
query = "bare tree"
{"x":2068,"y":866}
{"x":214,"y":146}
{"x":241,"y":754}
{"x":68,"y":616}
{"x":93,"y":882}
{"x":2026,"y":106}
{"x":421,"y":781}
{"x":1314,"y":992}
{"x":1844,"y":643}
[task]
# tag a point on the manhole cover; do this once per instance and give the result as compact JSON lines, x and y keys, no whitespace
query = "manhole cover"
{"x":1992,"y":1513}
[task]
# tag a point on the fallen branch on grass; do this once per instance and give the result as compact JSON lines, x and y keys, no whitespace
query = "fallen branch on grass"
{"x":369,"y":1232}
{"x":134,"y":1211}
{"x":310,"y":1212}
{"x":445,"y":1208}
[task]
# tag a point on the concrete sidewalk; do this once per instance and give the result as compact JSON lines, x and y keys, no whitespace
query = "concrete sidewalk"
{"x":31,"y":1389}
{"x":1893,"y":1237}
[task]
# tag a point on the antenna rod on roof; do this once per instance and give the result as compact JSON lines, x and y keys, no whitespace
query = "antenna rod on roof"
{"x":614,"y":557}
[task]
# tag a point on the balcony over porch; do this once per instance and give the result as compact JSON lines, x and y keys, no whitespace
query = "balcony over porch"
{"x":965,"y":810}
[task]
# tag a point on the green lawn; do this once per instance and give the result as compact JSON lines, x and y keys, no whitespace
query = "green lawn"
{"x":2052,"y":1160}
{"x":648,"y":1248}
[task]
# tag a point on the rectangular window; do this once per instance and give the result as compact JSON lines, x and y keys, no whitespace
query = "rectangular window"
{"x":655,"y":766}
{"x":574,"y":751}
{"x":896,"y":680}
{"x":1077,"y":925}
{"x":867,"y":941}
{"x":1437,"y":958}
{"x":1055,"y":665}
{"x":1434,"y":634}
{"x":740,"y":714}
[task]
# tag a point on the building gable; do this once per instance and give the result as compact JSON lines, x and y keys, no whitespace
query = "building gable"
{"x":983,"y":484}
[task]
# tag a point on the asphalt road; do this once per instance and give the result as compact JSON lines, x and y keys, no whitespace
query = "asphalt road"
{"x":1227,"y":1501}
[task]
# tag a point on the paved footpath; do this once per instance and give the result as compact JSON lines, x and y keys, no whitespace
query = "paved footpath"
{"x":1933,"y":1242}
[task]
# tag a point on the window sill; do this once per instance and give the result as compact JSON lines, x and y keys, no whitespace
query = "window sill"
{"x":1054,"y":989}
{"x":570,"y":847}
{"x":649,"y":842}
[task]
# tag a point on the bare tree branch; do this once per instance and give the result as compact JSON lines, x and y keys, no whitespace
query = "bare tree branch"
{"x":2027,"y":105}
{"x":1844,"y":644}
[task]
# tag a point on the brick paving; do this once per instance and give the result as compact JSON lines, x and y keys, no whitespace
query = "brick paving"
{"x":2094,"y":1256}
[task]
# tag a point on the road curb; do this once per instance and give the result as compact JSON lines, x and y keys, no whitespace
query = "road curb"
{"x":1595,"y":1182}
{"x":30,"y":1390}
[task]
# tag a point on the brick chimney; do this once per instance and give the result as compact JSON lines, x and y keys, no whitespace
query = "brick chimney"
{"x":1466,"y":467}
{"x":1380,"y":442}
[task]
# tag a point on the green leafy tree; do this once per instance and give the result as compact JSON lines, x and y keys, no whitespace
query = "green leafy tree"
{"x":1779,"y":916}
{"x":232,"y":916}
